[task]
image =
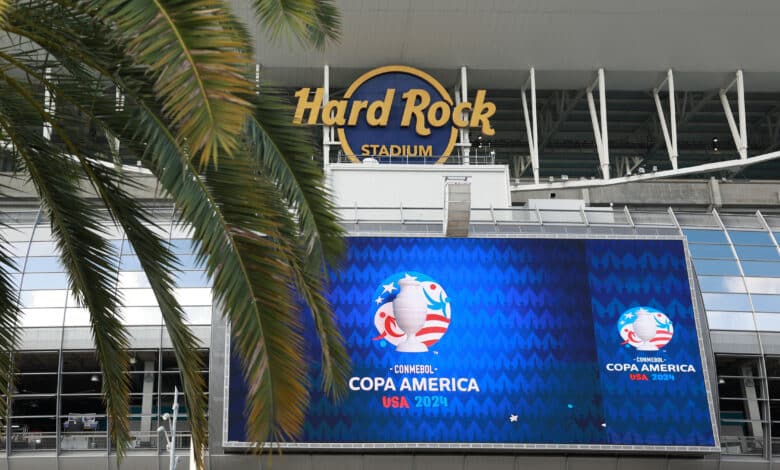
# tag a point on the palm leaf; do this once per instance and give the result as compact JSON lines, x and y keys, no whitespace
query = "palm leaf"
{"x":285,"y":158}
{"x":313,"y":22}
{"x":199,"y":66}
{"x":91,"y":263}
{"x":9,"y":327}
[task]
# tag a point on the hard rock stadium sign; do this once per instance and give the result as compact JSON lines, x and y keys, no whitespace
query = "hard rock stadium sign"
{"x":395,"y":111}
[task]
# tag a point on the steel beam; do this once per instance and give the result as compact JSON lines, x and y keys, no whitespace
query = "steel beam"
{"x":670,"y":138}
{"x":738,"y":133}
{"x":600,"y":122}
{"x":531,"y":124}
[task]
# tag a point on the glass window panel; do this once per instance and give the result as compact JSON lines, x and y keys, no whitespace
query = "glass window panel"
{"x":169,"y":359}
{"x":201,"y":296}
{"x":140,"y":358}
{"x":35,"y":384}
{"x":33,"y":281}
{"x":192,"y":279}
{"x":130,"y":263}
{"x":18,"y":233}
{"x":33,"y":406}
{"x":716,"y":267}
{"x":43,"y":264}
{"x":761,"y":268}
{"x":710,"y":251}
{"x":43,"y":298}
{"x":768,"y":321}
{"x":763,"y":285}
{"x":79,"y":361}
{"x":705,"y":236}
{"x":197,"y":315}
{"x":133,"y":279}
{"x":189,"y":262}
{"x":777,"y":236}
{"x":17,"y":264}
{"x":766,"y":303}
{"x":182,"y":246}
{"x":37,"y":361}
{"x":32,"y":317}
{"x":736,"y":321}
{"x":759,"y":253}
{"x":16,"y":280}
{"x":43,"y":249}
{"x":83,"y":404}
{"x":139,"y":297}
{"x":721,"y":284}
{"x":727,"y":302}
{"x":34,"y":433}
{"x":137,"y":380}
{"x":17,"y":248}
{"x":81,"y":383}
{"x":142,"y":315}
{"x":745,"y":237}
{"x":76,"y":316}
{"x":733,"y":366}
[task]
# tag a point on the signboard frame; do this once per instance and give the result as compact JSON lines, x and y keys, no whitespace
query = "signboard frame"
{"x":699,"y":318}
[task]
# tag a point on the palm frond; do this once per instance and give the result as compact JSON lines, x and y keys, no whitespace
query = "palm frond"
{"x":158,"y":263}
{"x":312,"y":22}
{"x":10,"y":316}
{"x":90,"y":262}
{"x":199,"y":66}
{"x":285,"y":159}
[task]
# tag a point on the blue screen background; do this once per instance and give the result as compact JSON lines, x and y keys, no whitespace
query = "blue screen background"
{"x":534,"y":322}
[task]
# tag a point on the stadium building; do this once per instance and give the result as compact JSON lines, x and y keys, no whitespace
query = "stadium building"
{"x":564,"y":220}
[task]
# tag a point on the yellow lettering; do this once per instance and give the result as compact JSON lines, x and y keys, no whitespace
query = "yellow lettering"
{"x":413,"y":107}
{"x":458,"y":114}
{"x":439,"y":113}
{"x":304,"y":105}
{"x":395,"y":150}
{"x":334,"y":113}
{"x":383,"y":107}
{"x":483,"y":110}
{"x":425,"y":150}
{"x":354,"y":113}
{"x":383,"y":151}
{"x":364,"y":150}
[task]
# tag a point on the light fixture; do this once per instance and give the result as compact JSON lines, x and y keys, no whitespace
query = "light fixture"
{"x":94,"y":378}
{"x":132,"y":360}
{"x":655,"y":168}
{"x":641,"y":170}
{"x":551,"y":179}
{"x":714,"y":144}
{"x":565,"y":177}
{"x":721,"y":381}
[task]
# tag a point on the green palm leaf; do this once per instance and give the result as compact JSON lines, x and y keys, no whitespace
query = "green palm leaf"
{"x":91,"y":263}
{"x":313,"y":22}
{"x":199,"y":65}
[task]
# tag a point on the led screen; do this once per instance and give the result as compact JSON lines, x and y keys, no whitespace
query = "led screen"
{"x":510,"y":341}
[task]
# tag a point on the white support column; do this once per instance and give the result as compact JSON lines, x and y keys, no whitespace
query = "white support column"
{"x":739,"y":134}
{"x":464,"y":96}
{"x":669,"y":138}
{"x":49,"y":105}
{"x":119,"y":106}
{"x":326,"y":131}
{"x":531,"y":124}
{"x":600,"y":129}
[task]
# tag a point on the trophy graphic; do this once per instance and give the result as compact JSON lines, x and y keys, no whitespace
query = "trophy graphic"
{"x":410,"y":309}
{"x":644,"y":328}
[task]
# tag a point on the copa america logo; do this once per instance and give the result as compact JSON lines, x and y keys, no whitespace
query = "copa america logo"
{"x":412,"y":311}
{"x":645,"y":328}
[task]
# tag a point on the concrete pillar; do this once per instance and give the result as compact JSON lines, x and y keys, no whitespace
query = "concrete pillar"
{"x":147,"y":400}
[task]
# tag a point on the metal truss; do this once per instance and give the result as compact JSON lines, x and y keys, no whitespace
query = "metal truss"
{"x":668,"y":126}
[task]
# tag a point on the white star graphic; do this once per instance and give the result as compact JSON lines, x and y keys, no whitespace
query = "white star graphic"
{"x":629,"y":315}
{"x":410,"y":278}
{"x":389,"y":288}
{"x":378,"y":300}
{"x":512,"y":418}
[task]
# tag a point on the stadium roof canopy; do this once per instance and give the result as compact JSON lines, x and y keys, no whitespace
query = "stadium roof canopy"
{"x":566,"y":42}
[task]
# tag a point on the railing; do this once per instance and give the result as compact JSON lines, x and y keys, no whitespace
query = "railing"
{"x":84,"y":440}
{"x":414,"y":160}
{"x":32,"y":441}
{"x":742,"y":445}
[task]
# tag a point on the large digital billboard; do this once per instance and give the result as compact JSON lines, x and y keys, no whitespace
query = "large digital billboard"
{"x":511,"y":343}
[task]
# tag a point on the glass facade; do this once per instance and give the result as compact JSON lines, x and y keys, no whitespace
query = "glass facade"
{"x":56,"y":404}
